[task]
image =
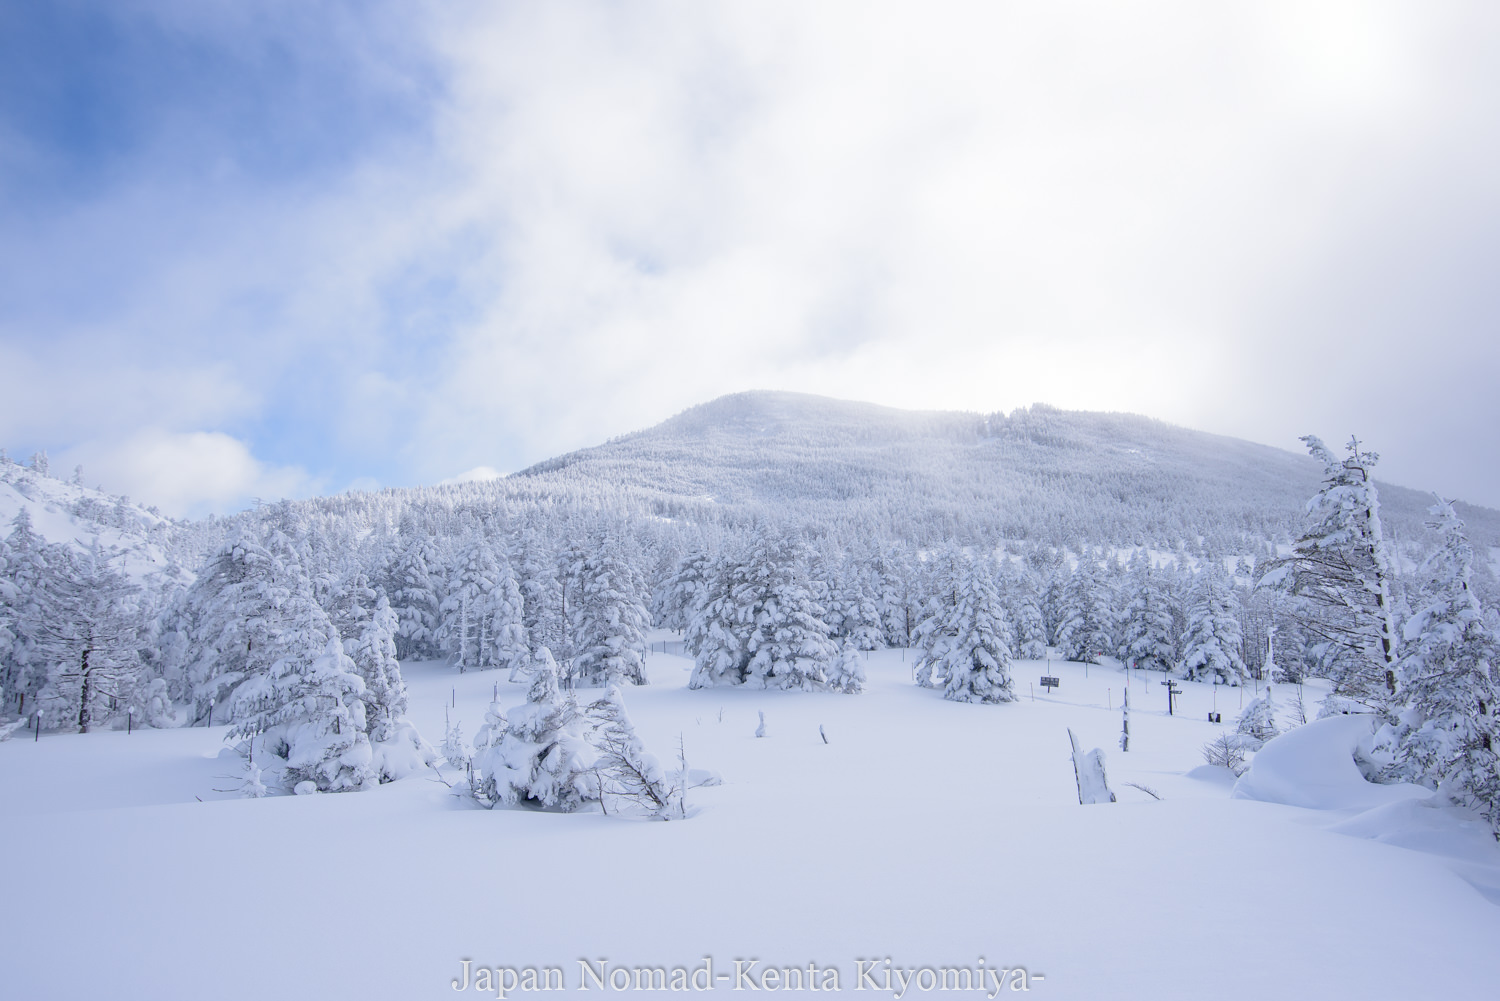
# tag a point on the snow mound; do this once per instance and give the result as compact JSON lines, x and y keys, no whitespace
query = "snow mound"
{"x":1217,"y":774}
{"x":1313,"y":766}
{"x":1425,"y":825}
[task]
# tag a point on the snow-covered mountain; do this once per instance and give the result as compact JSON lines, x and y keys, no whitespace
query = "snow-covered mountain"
{"x":64,"y":512}
{"x":1036,"y":473}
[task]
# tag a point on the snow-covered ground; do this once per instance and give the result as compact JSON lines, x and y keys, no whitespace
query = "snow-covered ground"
{"x":929,"y":833}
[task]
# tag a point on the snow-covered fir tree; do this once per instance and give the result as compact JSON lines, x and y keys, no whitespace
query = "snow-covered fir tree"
{"x":249,"y":608}
{"x":88,"y":636}
{"x":1146,"y":627}
{"x":23,"y":669}
{"x":629,"y":778}
{"x":758,"y":625}
{"x":1028,"y":627}
{"x":542,"y":757}
{"x":846,"y":672}
{"x":683,"y":592}
{"x":939,"y":599}
{"x":1086,"y":629}
{"x":610,"y":618}
{"x":1258,"y":721}
{"x":712,"y":637}
{"x":467,"y":613}
{"x":854,"y":612}
{"x":416,"y":601}
{"x":508,"y":624}
{"x":894,"y":576}
{"x":976,"y":656}
{"x":307,"y":717}
{"x":1211,"y":646}
{"x":1447,"y":735}
{"x":781,"y":627}
{"x":1341,"y":568}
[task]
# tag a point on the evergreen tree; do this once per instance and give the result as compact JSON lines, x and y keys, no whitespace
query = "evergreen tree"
{"x":684,"y":590}
{"x":609,"y":618}
{"x":853,"y":610}
{"x":976,"y":659}
{"x":1258,"y":721}
{"x":468,"y":612}
{"x":783,"y":630}
{"x":1146,"y":628}
{"x":1211,"y":647}
{"x":508,"y":625}
{"x":247,"y":609}
{"x":1448,"y":732}
{"x":713,"y":636}
{"x":1087,"y":619}
{"x":627,"y":775}
{"x":846,"y":673}
{"x":940,"y":598}
{"x":88,"y":636}
{"x":894,"y":575}
{"x":307,"y":715}
{"x":22,"y":669}
{"x":542,"y":757}
{"x":416,"y":602}
{"x":1342,"y":569}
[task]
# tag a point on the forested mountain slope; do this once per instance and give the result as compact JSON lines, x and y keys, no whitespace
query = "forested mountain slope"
{"x":1037,"y":473}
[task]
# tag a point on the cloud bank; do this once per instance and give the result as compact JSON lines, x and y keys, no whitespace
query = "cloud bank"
{"x":386,"y":244}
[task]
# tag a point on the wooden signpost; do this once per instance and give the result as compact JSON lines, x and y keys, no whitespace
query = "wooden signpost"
{"x":1049,"y":684}
{"x":1172,"y":690}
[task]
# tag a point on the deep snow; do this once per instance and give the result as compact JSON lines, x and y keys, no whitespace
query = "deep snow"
{"x":929,"y":832}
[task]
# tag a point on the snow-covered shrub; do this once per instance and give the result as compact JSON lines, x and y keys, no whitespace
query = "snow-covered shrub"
{"x":1227,"y":750}
{"x":628,"y":776}
{"x":847,"y":671}
{"x":1258,"y":721}
{"x":455,"y":749}
{"x":543,"y":756}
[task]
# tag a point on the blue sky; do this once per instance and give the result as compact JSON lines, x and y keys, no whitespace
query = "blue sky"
{"x":291,"y":247}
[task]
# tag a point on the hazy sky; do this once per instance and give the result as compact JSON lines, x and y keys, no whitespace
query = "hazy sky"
{"x":284,"y":247}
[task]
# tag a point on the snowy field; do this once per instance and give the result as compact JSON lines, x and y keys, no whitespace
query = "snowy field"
{"x":924,"y":832}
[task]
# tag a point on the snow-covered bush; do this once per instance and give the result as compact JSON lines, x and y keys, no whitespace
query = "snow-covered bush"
{"x":1227,"y":750}
{"x":630,"y":779}
{"x":1258,"y":721}
{"x":847,"y":671}
{"x":542,"y":756}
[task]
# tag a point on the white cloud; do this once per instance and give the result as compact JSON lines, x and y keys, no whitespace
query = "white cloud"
{"x":183,"y":474}
{"x":479,"y":474}
{"x":959,"y":205}
{"x":1180,"y":209}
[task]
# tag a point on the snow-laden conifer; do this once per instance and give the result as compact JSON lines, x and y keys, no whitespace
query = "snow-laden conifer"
{"x":1211,"y":647}
{"x":1342,"y":569}
{"x":1087,"y":625}
{"x":1146,"y":627}
{"x":846,"y":672}
{"x":976,"y":657}
{"x":88,"y":636}
{"x":1258,"y":721}
{"x":609,"y":618}
{"x":306,"y":717}
{"x":543,"y":757}
{"x":1448,"y":732}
